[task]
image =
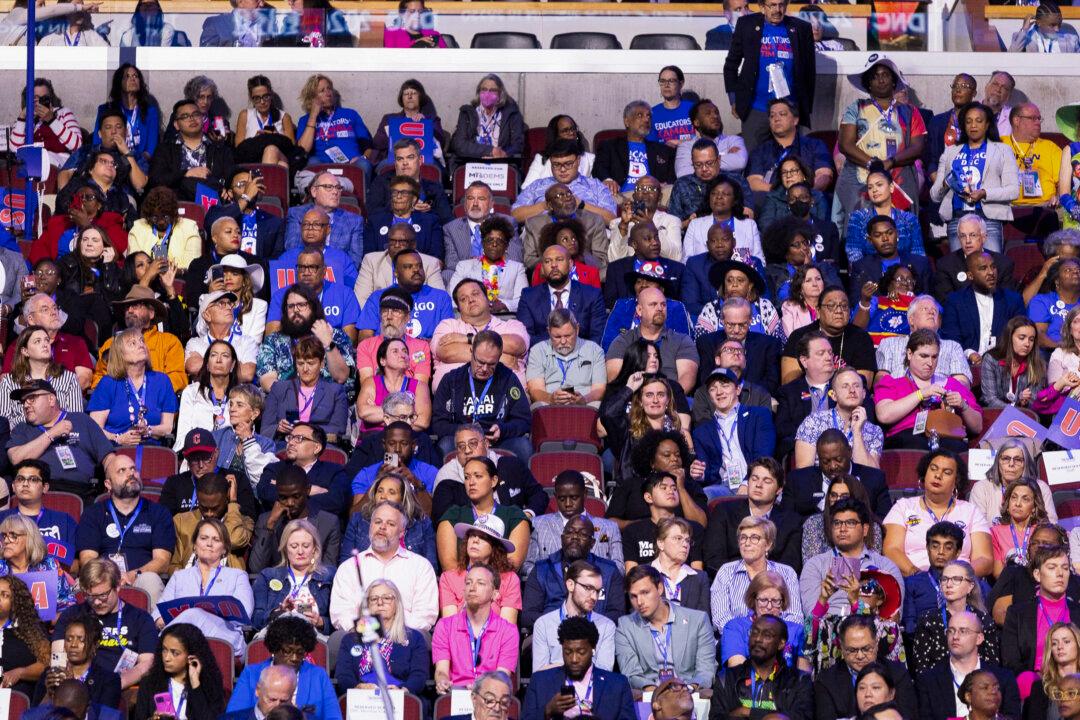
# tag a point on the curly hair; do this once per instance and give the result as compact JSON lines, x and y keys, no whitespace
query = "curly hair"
{"x":1050,"y":284}
{"x":1038,"y":514}
{"x":194,"y":642}
{"x":288,"y":630}
{"x":550,"y":232}
{"x":961,"y":469}
{"x":641,"y":458}
{"x":639,"y":424}
{"x":499,"y":562}
{"x":311,"y":89}
{"x":91,"y":626}
{"x":778,"y":236}
{"x":27,"y":625}
{"x":738,"y":209}
{"x":161,"y":201}
{"x":889,"y":277}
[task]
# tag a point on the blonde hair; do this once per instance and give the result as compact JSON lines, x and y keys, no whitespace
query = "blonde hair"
{"x":35,"y":544}
{"x":394,"y":631}
{"x":295,"y":526}
{"x":1068,"y":344}
{"x":311,"y":89}
{"x":639,"y":424}
{"x":974,"y":597}
{"x":97,"y":571}
{"x":767,"y":527}
{"x":1051,"y":673}
{"x":250,"y":394}
{"x":115,"y":367}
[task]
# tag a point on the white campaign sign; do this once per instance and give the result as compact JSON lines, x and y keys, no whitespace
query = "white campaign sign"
{"x":979,"y":462}
{"x":5,"y":702}
{"x":361,"y":704}
{"x":1062,"y":466}
{"x":461,"y":698}
{"x":495,"y":176}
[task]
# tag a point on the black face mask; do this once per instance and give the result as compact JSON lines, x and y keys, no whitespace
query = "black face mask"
{"x":800,"y":208}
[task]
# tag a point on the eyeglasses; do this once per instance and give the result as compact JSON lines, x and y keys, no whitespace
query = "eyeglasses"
{"x":46,"y":272}
{"x":850,"y":524}
{"x":106,"y":161}
{"x":401,"y":193}
{"x":791,"y":172}
{"x":26,"y":480}
{"x":962,"y":86}
{"x":1057,"y":694}
{"x":960,"y":631}
{"x":328,"y":187}
{"x":857,"y":651}
{"x":954,"y":580}
{"x":564,"y":165}
{"x":562,"y":196}
{"x":702,"y":164}
{"x":496,"y":703}
{"x":771,"y":602}
{"x":732,"y":351}
{"x":400,"y":418}
{"x":1036,"y":118}
{"x":265,"y":97}
{"x":298,"y":305}
{"x":11,"y":536}
{"x":590,"y":589}
{"x":100,"y":597}
{"x":225,"y":303}
{"x":468,"y":445}
{"x":309,"y":268}
{"x":191,"y":116}
{"x":380,"y":599}
{"x":313,"y":225}
{"x":1007,"y":460}
{"x":298,"y":438}
{"x":648,"y":189}
{"x":751,"y":539}
{"x":667,"y":81}
{"x":836,"y":307}
{"x":576,"y":533}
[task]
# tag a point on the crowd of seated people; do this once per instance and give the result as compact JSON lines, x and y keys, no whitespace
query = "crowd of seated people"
{"x":764,"y":495}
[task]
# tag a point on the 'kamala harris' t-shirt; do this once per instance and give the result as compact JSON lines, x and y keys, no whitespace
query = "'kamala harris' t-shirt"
{"x":912,"y":515}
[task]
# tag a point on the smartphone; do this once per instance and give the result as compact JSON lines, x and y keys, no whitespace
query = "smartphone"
{"x":391,"y":459}
{"x":163,"y":704}
{"x":566,"y":690}
{"x":160,"y":251}
{"x":637,"y":207}
{"x":217,"y":273}
{"x":292,"y":416}
{"x":30,"y":284}
{"x":58,"y":659}
{"x":256,"y":173}
{"x":219,"y":125}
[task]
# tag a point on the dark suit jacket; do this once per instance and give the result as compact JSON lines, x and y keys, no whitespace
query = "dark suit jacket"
{"x":165,"y":168}
{"x":613,"y":161}
{"x":694,"y":592}
{"x":937,"y":693}
{"x":762,"y":358}
{"x":948,"y":268}
{"x":377,"y":198}
{"x":793,"y":407}
{"x":834,"y":695}
{"x":429,"y":238}
{"x":697,"y":291}
{"x":616,"y":286}
{"x":868,"y":269}
{"x":722,"y":535}
{"x":935,"y":140}
{"x":1018,"y":635}
{"x":757,"y":438}
{"x":719,"y":38}
{"x":741,"y":64}
{"x":269,"y":229}
{"x":960,"y":316}
{"x":611,"y":699}
{"x":585,"y":302}
{"x":458,"y":244}
{"x":802,"y":491}
{"x":218,"y":31}
{"x":329,"y":408}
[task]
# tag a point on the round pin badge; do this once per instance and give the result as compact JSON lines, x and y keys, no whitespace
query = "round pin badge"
{"x":383,"y":230}
{"x":112,"y":531}
{"x":276,"y":585}
{"x":961,"y":276}
{"x":357,"y":651}
{"x":1060,"y":304}
{"x":416,"y":227}
{"x":820,"y":246}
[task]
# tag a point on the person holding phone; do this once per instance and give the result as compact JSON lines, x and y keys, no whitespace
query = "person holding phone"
{"x":163,"y":233}
{"x":307,"y":397}
{"x":185,"y":680}
{"x":76,"y":660}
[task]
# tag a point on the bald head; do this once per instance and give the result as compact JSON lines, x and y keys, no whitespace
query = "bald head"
{"x":276,"y":686}
{"x":652,"y":307}
{"x":72,"y":695}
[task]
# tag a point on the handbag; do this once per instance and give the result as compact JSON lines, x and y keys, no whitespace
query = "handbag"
{"x":945,"y":423}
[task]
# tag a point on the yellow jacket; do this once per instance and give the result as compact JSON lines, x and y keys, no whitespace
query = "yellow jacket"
{"x":166,"y":356}
{"x":240,"y":530}
{"x":184,"y":242}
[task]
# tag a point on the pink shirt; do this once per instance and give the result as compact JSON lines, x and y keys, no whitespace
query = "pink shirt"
{"x":1047,"y":612}
{"x":895,"y":388}
{"x":451,"y":641}
{"x":419,"y":356}
{"x":452,"y":590}
{"x":910,"y":514}
{"x":1001,"y":537}
{"x":457,"y":325}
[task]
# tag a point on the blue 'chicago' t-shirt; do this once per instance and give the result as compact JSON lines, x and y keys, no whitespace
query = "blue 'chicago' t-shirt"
{"x":337,"y":136}
{"x":671,"y":124}
{"x":430,"y":307}
{"x":339,"y":305}
{"x":775,"y":47}
{"x":638,"y":167}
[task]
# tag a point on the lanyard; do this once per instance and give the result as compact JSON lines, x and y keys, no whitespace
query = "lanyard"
{"x":475,"y":640}
{"x":1020,"y":547}
{"x":119,"y":619}
{"x":584,"y":703}
{"x":756,"y":689}
{"x":132,"y":121}
{"x":178,"y":705}
{"x":849,"y":433}
{"x":483,"y":393}
{"x":477,"y":516}
{"x":297,"y":586}
{"x":307,"y":402}
{"x":209,"y":585}
{"x":1025,"y":157}
{"x":662,"y":648}
{"x":116,"y":521}
{"x":259,"y":120}
{"x":673,"y":592}
{"x":1046,"y":614}
{"x":937,"y":587}
{"x":730,"y":438}
{"x":139,"y":398}
{"x":69,"y":42}
{"x":886,"y":114}
{"x":564,"y":367}
{"x":43,"y":429}
{"x":945,"y":514}
{"x":562,"y":614}
{"x":219,"y":407}
{"x":164,"y":239}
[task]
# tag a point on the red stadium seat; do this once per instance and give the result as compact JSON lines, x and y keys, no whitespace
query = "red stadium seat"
{"x":18,"y":704}
{"x":900,"y":475}
{"x":593,"y":506}
{"x":565,"y":427}
{"x":1057,"y":138}
{"x":1025,"y":257}
{"x":334,"y":455}
{"x":223,"y":653}
{"x":63,"y":502}
{"x":24,"y":246}
{"x":605,"y":135}
{"x":192,"y":211}
{"x":717,"y":501}
{"x":829,"y":137}
{"x":535,"y":139}
{"x":352,"y":172}
{"x":275,"y":178}
{"x":546,"y":465}
{"x":153,"y":463}
{"x":135,"y":596}
{"x":257,"y":652}
{"x":1069,"y":509}
{"x":272,"y":209}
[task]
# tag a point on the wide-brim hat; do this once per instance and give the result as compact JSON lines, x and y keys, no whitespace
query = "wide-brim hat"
{"x":235,"y":262}
{"x":888,"y":583}
{"x":492,"y":529}
{"x":719,"y":271}
{"x":877,"y":59}
{"x":140,"y":294}
{"x":1068,"y":120}
{"x":651,"y":270}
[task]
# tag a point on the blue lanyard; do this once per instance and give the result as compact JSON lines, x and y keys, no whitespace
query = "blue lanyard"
{"x":476,"y":516}
{"x":583,"y":703}
{"x":755,"y":689}
{"x":259,"y":120}
{"x":132,"y":121}
{"x":1022,"y":548}
{"x":730,"y":438}
{"x":116,"y":520}
{"x":483,"y":393}
{"x":307,"y":403}
{"x":849,"y":434}
{"x":179,"y":705}
{"x":219,"y":405}
{"x":937,"y":587}
{"x":944,"y":514}
{"x":206,"y":590}
{"x":69,"y":43}
{"x":673,"y":592}
{"x":662,"y":648}
{"x":119,"y":619}
{"x":564,"y":367}
{"x":886,"y":114}
{"x":297,"y":587}
{"x":140,"y":398}
{"x":475,"y":640}
{"x":1050,"y":621}
{"x":43,"y":429}
{"x":164,"y":240}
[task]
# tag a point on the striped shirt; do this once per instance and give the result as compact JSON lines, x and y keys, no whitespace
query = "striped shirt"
{"x":729,"y":587}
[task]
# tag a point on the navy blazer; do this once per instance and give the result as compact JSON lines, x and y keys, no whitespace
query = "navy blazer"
{"x":269,"y":229}
{"x":762,"y":358}
{"x":834,"y":693}
{"x":585,"y":302}
{"x":793,"y":407}
{"x":802,"y":491}
{"x":757,"y":438}
{"x":742,"y":64}
{"x":721,"y":543}
{"x":408,"y":663}
{"x":337,"y":481}
{"x":611,"y":695}
{"x":429,"y":235}
{"x":613,"y":161}
{"x":868,"y":269}
{"x":266,"y":598}
{"x":616,"y":286}
{"x":937,"y":693}
{"x":950,"y":268}
{"x":960,"y":317}
{"x":329,"y":409}
{"x":719,"y":38}
{"x":545,"y":589}
{"x":697,"y":291}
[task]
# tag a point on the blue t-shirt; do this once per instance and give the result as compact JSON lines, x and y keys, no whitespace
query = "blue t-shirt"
{"x":1048,"y":308}
{"x":424,"y":473}
{"x":430,"y":307}
{"x":149,"y":527}
{"x":338,"y":303}
{"x":671,"y":124}
{"x":134,"y":629}
{"x":121,"y":400}
{"x":638,"y":167}
{"x":58,"y":528}
{"x":339,"y":268}
{"x":968,"y":169}
{"x":775,"y":47}
{"x":337,"y":135}
{"x":88,"y":444}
